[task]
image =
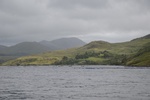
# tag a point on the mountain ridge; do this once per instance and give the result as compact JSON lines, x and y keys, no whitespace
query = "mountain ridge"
{"x":64,"y":43}
{"x":30,"y":48}
{"x":143,"y":37}
{"x":96,"y":53}
{"x":3,"y":47}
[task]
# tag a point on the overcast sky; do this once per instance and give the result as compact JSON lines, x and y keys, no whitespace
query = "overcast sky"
{"x":108,"y":20}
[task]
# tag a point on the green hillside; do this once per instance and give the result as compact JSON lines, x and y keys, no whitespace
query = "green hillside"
{"x":41,"y":59}
{"x":94,"y":53}
{"x":141,"y":58}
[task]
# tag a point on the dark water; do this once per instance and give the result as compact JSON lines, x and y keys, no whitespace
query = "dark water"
{"x":74,"y":83}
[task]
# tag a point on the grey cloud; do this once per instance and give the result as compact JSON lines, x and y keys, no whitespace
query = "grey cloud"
{"x":35,"y":20}
{"x":23,"y":8}
{"x":71,"y":4}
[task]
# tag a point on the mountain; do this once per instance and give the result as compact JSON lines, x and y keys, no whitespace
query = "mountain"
{"x":25,"y":48}
{"x":64,"y":43}
{"x":21,"y":49}
{"x":49,"y":44}
{"x":2,"y":47}
{"x":130,"y":53}
{"x":30,"y":48}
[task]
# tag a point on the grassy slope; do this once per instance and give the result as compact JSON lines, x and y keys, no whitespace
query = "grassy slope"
{"x":48,"y":58}
{"x":41,"y":59}
{"x":141,"y":58}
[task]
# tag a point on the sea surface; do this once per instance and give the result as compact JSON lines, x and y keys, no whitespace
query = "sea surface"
{"x":74,"y":83}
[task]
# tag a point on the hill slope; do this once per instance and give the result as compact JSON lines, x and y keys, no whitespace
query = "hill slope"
{"x":141,"y":58}
{"x":144,"y":37}
{"x":97,"y":52}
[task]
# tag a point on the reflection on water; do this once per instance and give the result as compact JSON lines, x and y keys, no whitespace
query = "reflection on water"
{"x":74,"y":83}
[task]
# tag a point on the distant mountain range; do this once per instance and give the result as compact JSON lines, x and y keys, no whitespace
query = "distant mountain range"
{"x":63,"y":43}
{"x":131,"y":53}
{"x":29,"y":48}
{"x":2,"y":47}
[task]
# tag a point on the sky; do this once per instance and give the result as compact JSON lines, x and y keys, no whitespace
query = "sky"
{"x":89,"y":20}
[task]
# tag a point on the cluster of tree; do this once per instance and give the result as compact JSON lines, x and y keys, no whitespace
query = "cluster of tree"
{"x":24,"y":62}
{"x":103,"y":54}
{"x":87,"y":55}
{"x":116,"y":60}
{"x":66,"y":61}
{"x":81,"y":59}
